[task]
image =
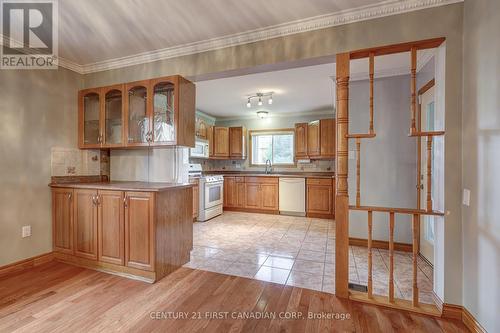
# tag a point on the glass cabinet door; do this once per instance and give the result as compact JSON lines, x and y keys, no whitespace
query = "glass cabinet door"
{"x":113,"y":116}
{"x":163,"y":112}
{"x":91,"y":124}
{"x":137,"y":115}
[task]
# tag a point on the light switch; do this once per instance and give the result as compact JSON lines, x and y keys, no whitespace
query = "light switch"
{"x":26,"y":231}
{"x":466,"y":197}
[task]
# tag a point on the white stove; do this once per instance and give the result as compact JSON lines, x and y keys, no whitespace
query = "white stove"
{"x":211,"y":193}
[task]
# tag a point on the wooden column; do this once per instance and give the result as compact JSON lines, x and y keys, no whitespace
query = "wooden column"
{"x":358,"y":172}
{"x":341,"y":165}
{"x":372,"y":70}
{"x":391,"y":257}
{"x":370,"y":269}
{"x":413,"y":128}
{"x":429,"y":173}
{"x":416,"y":220}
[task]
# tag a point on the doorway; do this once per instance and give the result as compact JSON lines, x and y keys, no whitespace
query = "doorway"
{"x":427,"y":114}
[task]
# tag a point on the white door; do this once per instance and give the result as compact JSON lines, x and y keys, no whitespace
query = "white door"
{"x":426,"y":221}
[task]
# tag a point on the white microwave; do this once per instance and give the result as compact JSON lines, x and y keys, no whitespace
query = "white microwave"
{"x":200,"y":149}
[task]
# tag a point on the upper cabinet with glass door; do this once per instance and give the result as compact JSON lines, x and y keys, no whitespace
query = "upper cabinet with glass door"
{"x":173,"y":107}
{"x":138,"y":114}
{"x":156,"y":112}
{"x":114,"y":116}
{"x":89,"y":118}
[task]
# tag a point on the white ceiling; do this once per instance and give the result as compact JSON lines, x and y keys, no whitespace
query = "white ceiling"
{"x":298,"y":90}
{"x":97,"y":30}
{"x":97,"y":35}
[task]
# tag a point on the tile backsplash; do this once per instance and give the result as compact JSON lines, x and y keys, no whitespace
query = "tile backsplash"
{"x":76,"y":162}
{"x":240,"y":165}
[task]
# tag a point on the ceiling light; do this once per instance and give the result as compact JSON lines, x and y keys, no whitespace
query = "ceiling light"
{"x":262,"y":114}
{"x":260,"y":101}
{"x":270,"y":100}
{"x":261,"y":96}
{"x":249,"y":105}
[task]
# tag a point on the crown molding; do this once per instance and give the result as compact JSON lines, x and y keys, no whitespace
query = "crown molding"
{"x":385,"y":8}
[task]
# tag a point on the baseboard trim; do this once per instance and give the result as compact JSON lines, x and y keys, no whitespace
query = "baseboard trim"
{"x":24,"y":264}
{"x":321,"y":216}
{"x":251,"y":210}
{"x":378,"y":244}
{"x":458,"y":312}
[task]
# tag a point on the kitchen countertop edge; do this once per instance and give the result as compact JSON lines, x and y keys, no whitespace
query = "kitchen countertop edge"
{"x":124,"y":186}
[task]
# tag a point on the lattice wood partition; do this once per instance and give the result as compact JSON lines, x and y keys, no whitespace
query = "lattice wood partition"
{"x":342,"y":208}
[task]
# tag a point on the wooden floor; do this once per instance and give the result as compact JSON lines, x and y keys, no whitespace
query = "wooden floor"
{"x":57,"y":297}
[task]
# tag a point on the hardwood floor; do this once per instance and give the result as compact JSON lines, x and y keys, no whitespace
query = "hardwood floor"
{"x":56,"y":297}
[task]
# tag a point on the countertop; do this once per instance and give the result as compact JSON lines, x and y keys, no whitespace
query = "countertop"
{"x":124,"y":186}
{"x":273,"y":174}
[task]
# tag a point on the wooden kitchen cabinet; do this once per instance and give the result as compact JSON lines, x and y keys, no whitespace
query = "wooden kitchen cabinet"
{"x":201,"y":129}
{"x":269,"y":196}
{"x":137,"y":114}
{"x":90,"y":118}
{"x":210,"y":139}
{"x":139,"y":226}
{"x":62,"y":220}
{"x":315,"y":140}
{"x":253,"y":195}
{"x":301,"y":141}
{"x":85,"y":223}
{"x":123,"y":228}
{"x":229,"y":199}
{"x":262,"y":193}
{"x":147,"y":113}
{"x":221,"y":142}
{"x":240,"y":192}
{"x":319,"y":197}
{"x":111,"y":227}
{"x":237,"y":142}
{"x":327,"y":138}
{"x":196,"y":198}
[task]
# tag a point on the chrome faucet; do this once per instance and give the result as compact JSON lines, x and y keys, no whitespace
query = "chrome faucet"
{"x":269,"y":166}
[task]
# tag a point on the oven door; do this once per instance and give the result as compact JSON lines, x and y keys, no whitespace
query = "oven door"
{"x":214,"y":193}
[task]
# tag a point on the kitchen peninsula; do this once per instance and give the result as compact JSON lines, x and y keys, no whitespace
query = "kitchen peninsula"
{"x":136,"y":229}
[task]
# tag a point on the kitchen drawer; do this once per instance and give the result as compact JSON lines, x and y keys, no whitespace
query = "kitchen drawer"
{"x":240,"y":179}
{"x":262,"y":180}
{"x":319,"y":181}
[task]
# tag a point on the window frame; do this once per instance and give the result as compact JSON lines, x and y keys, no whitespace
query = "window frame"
{"x":251,"y":133}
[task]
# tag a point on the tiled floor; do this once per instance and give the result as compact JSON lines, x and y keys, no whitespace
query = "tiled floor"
{"x":296,"y":251}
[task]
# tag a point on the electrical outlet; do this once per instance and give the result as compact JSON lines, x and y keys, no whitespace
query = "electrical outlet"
{"x":26,"y":231}
{"x":466,"y":197}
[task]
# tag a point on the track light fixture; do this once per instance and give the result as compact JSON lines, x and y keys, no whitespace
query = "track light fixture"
{"x":261,"y":97}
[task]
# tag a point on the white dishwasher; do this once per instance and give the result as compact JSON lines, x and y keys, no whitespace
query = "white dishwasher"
{"x":292,"y":196}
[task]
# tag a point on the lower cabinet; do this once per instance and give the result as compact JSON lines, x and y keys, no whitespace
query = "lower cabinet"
{"x":111,"y":227}
{"x":85,"y":223}
{"x":252,"y":193}
{"x":139,"y":236}
{"x":62,"y":219}
{"x":319,"y":195}
{"x":196,"y":199}
{"x":146,"y":234}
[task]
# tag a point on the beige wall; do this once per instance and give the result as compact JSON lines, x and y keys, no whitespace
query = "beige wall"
{"x":481,"y":162}
{"x":444,"y":21}
{"x":38,"y":110}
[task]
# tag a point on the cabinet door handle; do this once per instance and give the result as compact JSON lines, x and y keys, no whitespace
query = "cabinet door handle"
{"x":98,"y":200}
{"x":125,"y":204}
{"x":94,"y":200}
{"x":69,"y":196}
